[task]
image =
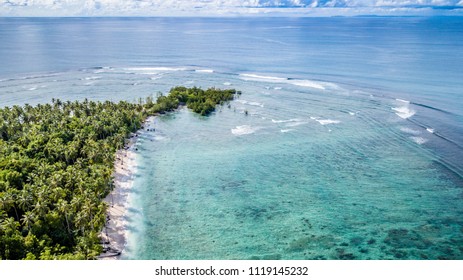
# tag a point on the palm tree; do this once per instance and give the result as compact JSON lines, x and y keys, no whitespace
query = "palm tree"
{"x":3,"y":216}
{"x":7,"y":202}
{"x":87,"y":210}
{"x":9,"y":224}
{"x":81,"y":221}
{"x":64,"y":207}
{"x":28,"y":220}
{"x":40,"y":208}
{"x":4,"y":203}
{"x":24,"y":200}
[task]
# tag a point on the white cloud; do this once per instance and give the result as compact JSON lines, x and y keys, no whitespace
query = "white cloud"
{"x":219,"y":7}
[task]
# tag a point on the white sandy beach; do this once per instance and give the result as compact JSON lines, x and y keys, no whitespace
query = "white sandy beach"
{"x":115,"y":230}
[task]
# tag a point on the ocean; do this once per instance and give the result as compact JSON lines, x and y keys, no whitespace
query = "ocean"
{"x":346,"y":143}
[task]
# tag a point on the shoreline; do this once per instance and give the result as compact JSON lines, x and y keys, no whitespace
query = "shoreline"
{"x":114,"y":233}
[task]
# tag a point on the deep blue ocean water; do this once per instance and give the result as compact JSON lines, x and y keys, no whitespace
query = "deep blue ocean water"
{"x":352,"y":146}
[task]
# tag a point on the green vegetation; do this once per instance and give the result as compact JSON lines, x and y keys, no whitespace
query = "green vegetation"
{"x":200,"y":101}
{"x":56,"y":162}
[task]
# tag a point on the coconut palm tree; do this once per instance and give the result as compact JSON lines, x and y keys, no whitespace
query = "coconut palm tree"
{"x":24,"y":199}
{"x":64,"y":207}
{"x":9,"y":224}
{"x":40,"y":208}
{"x":28,"y":220}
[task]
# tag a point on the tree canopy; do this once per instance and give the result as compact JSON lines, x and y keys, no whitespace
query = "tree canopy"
{"x":56,"y":165}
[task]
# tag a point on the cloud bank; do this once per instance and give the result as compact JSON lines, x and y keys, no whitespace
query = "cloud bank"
{"x":228,"y":7}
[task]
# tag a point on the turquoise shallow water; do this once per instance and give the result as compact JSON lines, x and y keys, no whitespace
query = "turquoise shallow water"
{"x":326,"y":175}
{"x":351,"y":148}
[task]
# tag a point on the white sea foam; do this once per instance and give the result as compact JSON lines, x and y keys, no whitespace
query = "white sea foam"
{"x":252,"y":103}
{"x":156,"y":69}
{"x":409,"y":130}
{"x":296,"y":82}
{"x":402,"y":100}
{"x":149,"y":70}
{"x":158,"y":137}
{"x":103,"y":70}
{"x":293,"y":124}
{"x":419,"y":140}
{"x":327,"y":121}
{"x":404,"y":112}
{"x":277,"y":88}
{"x":243,"y":130}
{"x":260,"y":78}
{"x":204,"y":70}
{"x":352,"y":113}
{"x":307,"y":83}
{"x":286,"y":130}
{"x":430,"y":130}
{"x":32,"y":88}
{"x":324,"y":122}
{"x":286,"y":121}
{"x":91,"y":78}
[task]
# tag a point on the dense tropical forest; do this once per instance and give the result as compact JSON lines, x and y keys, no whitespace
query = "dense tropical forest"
{"x":56,"y":165}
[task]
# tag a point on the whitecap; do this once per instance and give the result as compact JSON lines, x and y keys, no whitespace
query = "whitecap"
{"x":352,"y":113}
{"x":156,"y":69}
{"x":277,"y":88}
{"x":286,"y":130}
{"x":32,"y":88}
{"x":150,"y":70}
{"x":91,"y":78}
{"x":204,"y":70}
{"x":325,"y":122}
{"x":404,"y":112}
{"x":260,"y":78}
{"x":409,"y":130}
{"x":430,"y":130}
{"x":419,"y":140}
{"x":272,"y":79}
{"x":402,"y":100}
{"x":243,"y":130}
{"x":104,"y":69}
{"x":293,"y":124}
{"x":285,"y":121}
{"x":307,"y":83}
{"x":256,"y":104}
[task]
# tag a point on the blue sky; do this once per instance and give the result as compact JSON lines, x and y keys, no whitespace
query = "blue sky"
{"x":228,"y":7}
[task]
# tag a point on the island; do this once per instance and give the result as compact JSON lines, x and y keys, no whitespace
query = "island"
{"x":57,"y":164}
